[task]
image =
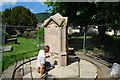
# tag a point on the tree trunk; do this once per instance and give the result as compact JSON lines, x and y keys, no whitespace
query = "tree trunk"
{"x":81,"y":31}
{"x":115,"y":32}
{"x":101,"y":30}
{"x":102,"y":37}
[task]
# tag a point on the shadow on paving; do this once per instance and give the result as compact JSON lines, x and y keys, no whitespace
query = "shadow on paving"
{"x":73,"y":59}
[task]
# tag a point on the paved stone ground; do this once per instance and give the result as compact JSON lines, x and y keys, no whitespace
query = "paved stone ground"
{"x":104,"y":71}
{"x":70,"y":71}
{"x":88,"y":69}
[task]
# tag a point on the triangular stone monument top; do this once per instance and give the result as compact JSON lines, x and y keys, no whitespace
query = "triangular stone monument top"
{"x":57,"y":18}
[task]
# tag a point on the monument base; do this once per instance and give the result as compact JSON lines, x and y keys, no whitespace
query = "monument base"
{"x":63,"y":60}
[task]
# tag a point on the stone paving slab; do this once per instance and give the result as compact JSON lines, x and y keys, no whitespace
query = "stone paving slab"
{"x":87,"y":70}
{"x":105,"y":71}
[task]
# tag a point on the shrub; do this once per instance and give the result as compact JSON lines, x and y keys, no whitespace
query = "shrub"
{"x":26,"y":33}
{"x":41,"y":34}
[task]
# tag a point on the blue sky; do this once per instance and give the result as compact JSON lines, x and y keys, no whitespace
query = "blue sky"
{"x":35,"y":7}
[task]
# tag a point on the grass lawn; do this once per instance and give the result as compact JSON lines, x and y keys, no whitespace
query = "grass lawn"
{"x":22,"y":50}
{"x":81,"y":37}
{"x":116,"y":37}
{"x":24,"y":45}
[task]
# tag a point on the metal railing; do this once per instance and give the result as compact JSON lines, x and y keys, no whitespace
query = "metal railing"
{"x":15,"y":60}
{"x":19,"y":60}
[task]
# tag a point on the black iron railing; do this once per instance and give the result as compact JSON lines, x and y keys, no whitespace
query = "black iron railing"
{"x":18,"y":60}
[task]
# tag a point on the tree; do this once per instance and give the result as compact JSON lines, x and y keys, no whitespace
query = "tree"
{"x":19,"y":16}
{"x":87,"y":13}
{"x":40,"y":17}
{"x":108,"y":16}
{"x":6,"y":16}
{"x":77,"y":12}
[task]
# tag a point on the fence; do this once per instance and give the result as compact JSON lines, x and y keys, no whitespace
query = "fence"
{"x":11,"y":59}
{"x":18,"y":58}
{"x":105,"y":47}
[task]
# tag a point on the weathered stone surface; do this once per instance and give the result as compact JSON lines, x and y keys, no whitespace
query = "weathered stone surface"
{"x":12,"y":41}
{"x":53,"y":39}
{"x":55,"y":36}
{"x":6,"y":48}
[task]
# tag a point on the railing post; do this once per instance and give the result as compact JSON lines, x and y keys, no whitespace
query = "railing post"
{"x":15,"y":61}
{"x":84,"y":40}
{"x":30,"y":69}
{"x":23,"y":65}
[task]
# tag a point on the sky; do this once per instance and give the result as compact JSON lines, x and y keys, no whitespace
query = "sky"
{"x":35,"y":7}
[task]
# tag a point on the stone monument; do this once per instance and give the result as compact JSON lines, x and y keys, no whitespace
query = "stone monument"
{"x":55,"y":36}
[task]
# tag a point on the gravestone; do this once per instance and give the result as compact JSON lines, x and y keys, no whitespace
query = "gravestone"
{"x":12,"y":41}
{"x":55,"y":36}
{"x":6,"y":48}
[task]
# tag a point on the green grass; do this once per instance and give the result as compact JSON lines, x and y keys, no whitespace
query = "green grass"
{"x":24,"y":45}
{"x":24,"y":49}
{"x":116,"y":37}
{"x":0,"y":67}
{"x":81,"y":37}
{"x":11,"y":59}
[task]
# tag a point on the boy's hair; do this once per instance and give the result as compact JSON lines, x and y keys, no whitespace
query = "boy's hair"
{"x":46,"y":47}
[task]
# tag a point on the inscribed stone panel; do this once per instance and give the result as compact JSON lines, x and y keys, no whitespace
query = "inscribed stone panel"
{"x":52,"y":39}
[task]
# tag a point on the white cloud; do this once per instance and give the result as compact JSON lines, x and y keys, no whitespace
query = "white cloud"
{"x":6,"y":2}
{"x":0,"y":4}
{"x":9,"y":0}
{"x":31,"y":0}
{"x":41,"y":1}
{"x":32,"y":10}
{"x":23,"y":0}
